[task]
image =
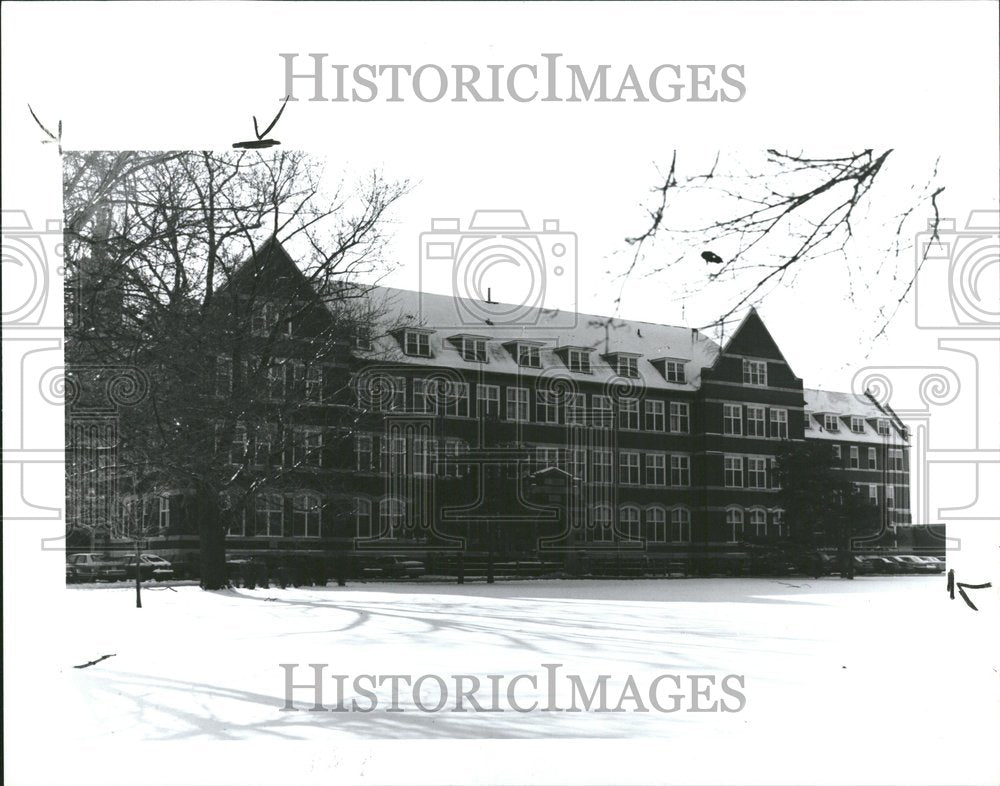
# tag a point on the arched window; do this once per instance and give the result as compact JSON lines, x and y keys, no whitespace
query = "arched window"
{"x":628,"y":518}
{"x":680,"y":525}
{"x":758,"y":521}
{"x":390,"y":518}
{"x":363,"y":516}
{"x":601,"y":521}
{"x":778,"y":522}
{"x":307,"y":513}
{"x":734,"y":520}
{"x":270,"y":518}
{"x":656,"y":524}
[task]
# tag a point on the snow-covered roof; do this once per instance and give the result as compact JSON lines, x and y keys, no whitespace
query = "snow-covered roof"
{"x":450,"y":317}
{"x":819,"y":403}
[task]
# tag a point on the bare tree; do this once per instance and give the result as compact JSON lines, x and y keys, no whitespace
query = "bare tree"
{"x":176,"y":266}
{"x":758,"y":222}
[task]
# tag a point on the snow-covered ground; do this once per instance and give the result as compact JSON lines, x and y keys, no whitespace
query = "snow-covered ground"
{"x":873,"y":680}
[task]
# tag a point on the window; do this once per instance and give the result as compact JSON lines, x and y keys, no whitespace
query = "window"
{"x":363,"y":517}
{"x":578,"y":360}
{"x":417,"y":343}
{"x":517,"y":404}
{"x":628,"y":414}
{"x":547,"y":410}
{"x":276,"y":380}
{"x":576,"y":409}
{"x":680,"y":525}
{"x":390,"y":518}
{"x":754,"y":372}
{"x":895,"y":460}
{"x":655,"y":417}
{"x":628,"y":367}
{"x":384,"y":393}
{"x":656,"y":525}
{"x":547,"y":457}
{"x":680,"y":419}
{"x":855,"y":461}
{"x":270,"y":515}
{"x":602,"y":524}
{"x":890,"y":497}
{"x":831,"y":423}
{"x":266,"y":436}
{"x":778,"y":522}
{"x":858,"y":425}
{"x":680,"y":470}
{"x":872,"y":458}
{"x":223,"y":375}
{"x":314,"y":384}
{"x":363,"y":337}
{"x":758,"y":520}
{"x":734,"y":471}
{"x":307,"y":447}
{"x":602,"y":466}
{"x":239,"y":446}
{"x":628,"y":468}
{"x":756,"y":472}
{"x":306,"y":513}
{"x":601,"y":406}
{"x":488,"y":401}
{"x":775,"y":476}
{"x":450,"y":466}
{"x":734,"y":518}
{"x":474,"y":349}
{"x":363,"y":453}
{"x":453,"y":398}
{"x":264,"y":317}
{"x":577,"y":463}
{"x":393,"y":455}
{"x":836,"y":453}
{"x":628,"y":519}
{"x":424,"y":455}
{"x":732,"y":419}
{"x":883,"y":427}
{"x":529,"y":356}
{"x":673,"y":371}
{"x":164,"y":513}
{"x":656,"y":469}
{"x":873,"y":494}
{"x":755,"y":422}
{"x":779,"y":423}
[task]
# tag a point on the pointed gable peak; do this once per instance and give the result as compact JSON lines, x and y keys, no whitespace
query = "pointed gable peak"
{"x":752,"y":338}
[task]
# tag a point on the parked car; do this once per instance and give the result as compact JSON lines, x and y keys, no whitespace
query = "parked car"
{"x":151,"y":566}
{"x":392,"y":567}
{"x":884,"y":565}
{"x":94,"y":566}
{"x":937,"y":562}
{"x":912,"y":564}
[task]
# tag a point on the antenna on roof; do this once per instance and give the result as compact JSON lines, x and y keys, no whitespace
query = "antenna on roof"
{"x":489,"y":297}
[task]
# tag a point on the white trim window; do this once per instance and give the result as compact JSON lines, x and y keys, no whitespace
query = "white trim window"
{"x":628,"y":366}
{"x":680,"y":471}
{"x":831,"y":423}
{"x":425,"y":396}
{"x":655,"y":415}
{"x":601,"y":521}
{"x":529,"y":356}
{"x":276,"y":379}
{"x":547,"y":457}
{"x":680,"y":525}
{"x":474,"y":349}
{"x":883,"y":427}
{"x":223,"y":376}
{"x":873,"y":493}
{"x":307,"y":513}
{"x":855,"y":459}
{"x":779,"y":424}
{"x":758,"y":521}
{"x":424,"y":455}
{"x":392,"y":454}
{"x":239,"y":446}
{"x":680,"y":417}
{"x":387,"y":393}
{"x":488,"y":401}
{"x":601,"y":463}
{"x":314,"y":384}
{"x":628,"y":414}
{"x":417,"y":343}
{"x":896,"y":459}
{"x":547,"y":406}
{"x":673,"y":371}
{"x":364,"y":453}
{"x":756,"y":472}
{"x":578,"y":360}
{"x":756,"y":425}
{"x":734,"y":472}
{"x":307,"y":447}
{"x":163,"y":513}
{"x":363,"y":518}
{"x":872,"y":458}
{"x":628,"y":522}
{"x":451,"y":467}
{"x":732,"y":419}
{"x":453,"y":399}
{"x":778,"y":521}
{"x":837,"y":454}
{"x":270,"y":515}
{"x":390,"y":518}
{"x":656,"y":469}
{"x":755,"y":372}
{"x":518,"y":405}
{"x":628,"y":467}
{"x":601,"y":407}
{"x":577,"y":463}
{"x":576,"y":409}
{"x":656,"y":524}
{"x":857,"y":425}
{"x":734,"y":520}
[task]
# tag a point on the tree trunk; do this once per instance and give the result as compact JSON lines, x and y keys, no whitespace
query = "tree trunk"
{"x":212,"y":541}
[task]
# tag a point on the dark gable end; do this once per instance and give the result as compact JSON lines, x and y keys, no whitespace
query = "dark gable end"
{"x":753,"y":339}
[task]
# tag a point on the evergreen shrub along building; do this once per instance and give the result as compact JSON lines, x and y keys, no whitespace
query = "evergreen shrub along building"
{"x":601,"y":434}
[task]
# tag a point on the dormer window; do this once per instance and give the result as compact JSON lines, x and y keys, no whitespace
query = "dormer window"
{"x":529,"y":356}
{"x":417,"y":343}
{"x":363,"y":337}
{"x":858,"y":425}
{"x":578,"y":360}
{"x":673,"y":371}
{"x":883,"y":427}
{"x":628,"y":367}
{"x":831,"y":423}
{"x":474,"y":349}
{"x":755,"y":372}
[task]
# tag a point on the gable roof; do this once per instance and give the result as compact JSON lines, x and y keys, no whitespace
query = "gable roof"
{"x":752,"y":338}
